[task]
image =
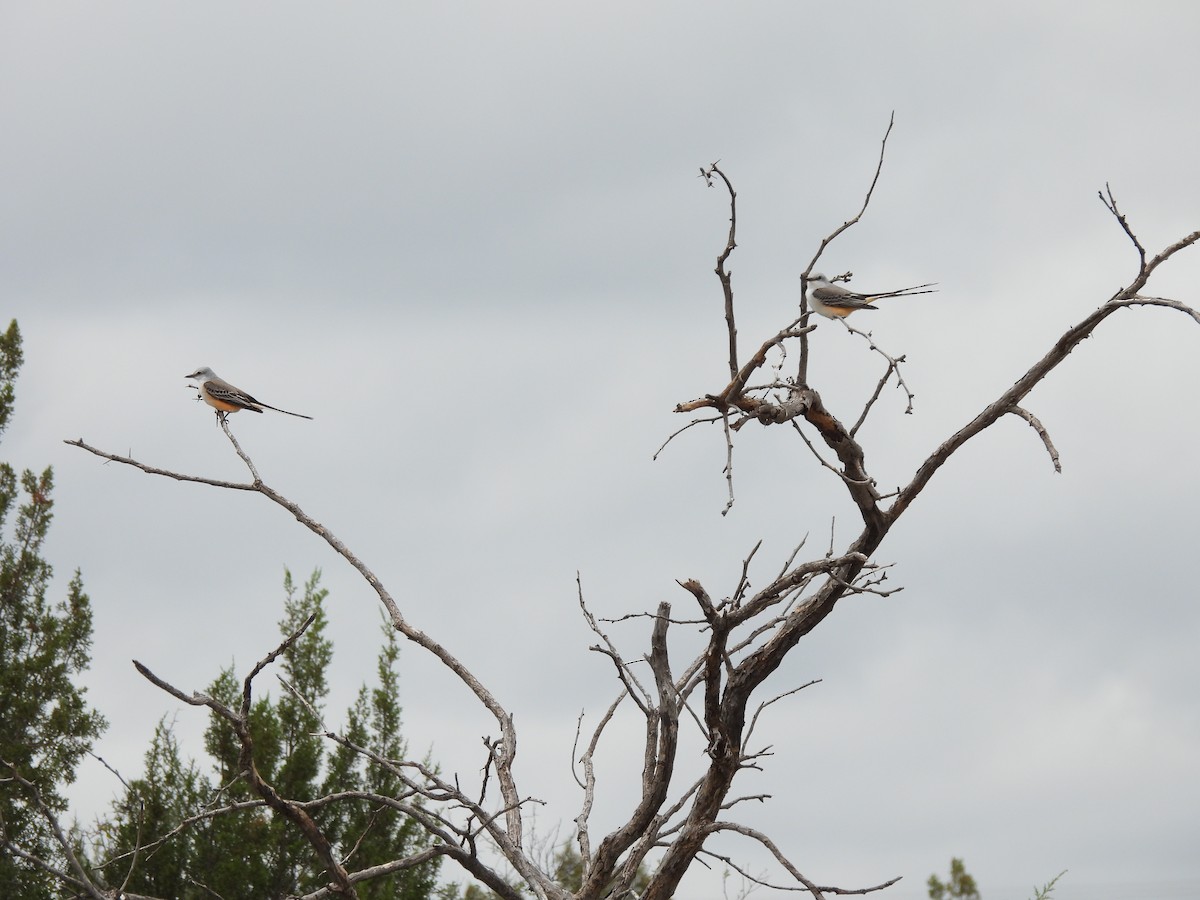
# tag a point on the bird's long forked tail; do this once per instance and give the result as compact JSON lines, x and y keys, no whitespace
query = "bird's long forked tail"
{"x":930,"y":288}
{"x":284,"y":411}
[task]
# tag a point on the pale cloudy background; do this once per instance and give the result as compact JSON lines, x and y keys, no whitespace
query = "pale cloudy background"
{"x":469,"y":238}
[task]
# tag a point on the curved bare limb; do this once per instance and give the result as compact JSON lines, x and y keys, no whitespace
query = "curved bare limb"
{"x":818,"y":891}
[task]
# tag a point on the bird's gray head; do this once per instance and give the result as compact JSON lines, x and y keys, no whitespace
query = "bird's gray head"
{"x":203,"y":374}
{"x":817,"y":277}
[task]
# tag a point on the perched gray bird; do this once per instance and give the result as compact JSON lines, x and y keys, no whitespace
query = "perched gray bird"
{"x":225,"y":398}
{"x":836,"y":302}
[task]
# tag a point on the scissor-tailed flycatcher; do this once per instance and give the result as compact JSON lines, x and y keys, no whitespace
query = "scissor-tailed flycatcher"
{"x":836,"y":302}
{"x":225,"y":398}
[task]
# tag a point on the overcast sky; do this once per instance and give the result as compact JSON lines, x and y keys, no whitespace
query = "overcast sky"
{"x":470,"y":240}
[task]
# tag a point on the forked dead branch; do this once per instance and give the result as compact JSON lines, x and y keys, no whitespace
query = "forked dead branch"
{"x":712,"y":701}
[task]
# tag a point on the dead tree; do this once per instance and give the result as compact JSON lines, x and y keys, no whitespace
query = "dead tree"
{"x":716,"y":695}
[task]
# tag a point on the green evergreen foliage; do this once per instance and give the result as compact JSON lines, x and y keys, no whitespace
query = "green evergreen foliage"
{"x":249,"y":852}
{"x":960,"y":885}
{"x":45,"y":724}
{"x":1044,"y":892}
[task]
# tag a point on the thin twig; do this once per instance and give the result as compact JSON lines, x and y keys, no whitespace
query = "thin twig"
{"x":825,"y":242}
{"x":728,"y":460}
{"x":762,"y":706}
{"x":1110,"y":203}
{"x":802,"y":367}
{"x":893,"y":366}
{"x":676,"y":434}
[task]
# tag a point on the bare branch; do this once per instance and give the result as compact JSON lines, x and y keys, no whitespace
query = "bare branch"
{"x":137,"y":847}
{"x":1111,"y":203}
{"x":194,"y":699}
{"x":680,"y":431}
{"x":661,"y":742}
{"x":728,"y":460}
{"x":204,"y":887}
{"x":893,"y":366}
{"x":816,"y":890}
{"x":1042,"y":433}
{"x":866,"y":201}
{"x":224,"y":422}
{"x":766,"y":703}
{"x":575,"y":749}
{"x":166,"y":473}
{"x":451,"y":837}
{"x":100,"y":759}
{"x":582,"y":821}
{"x":1139,"y":300}
{"x":637,"y":692}
{"x":725,"y":276}
{"x":735,"y":394}
{"x":270,"y":658}
{"x":744,"y":581}
{"x":819,"y":458}
{"x":795,"y":577}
